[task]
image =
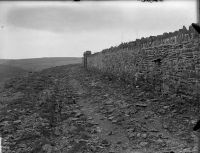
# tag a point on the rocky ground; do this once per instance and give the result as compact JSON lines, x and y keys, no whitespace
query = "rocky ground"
{"x":68,"y":109}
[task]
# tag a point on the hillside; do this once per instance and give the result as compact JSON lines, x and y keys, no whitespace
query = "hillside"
{"x":37,"y":64}
{"x":2,"y":61}
{"x":7,"y":71}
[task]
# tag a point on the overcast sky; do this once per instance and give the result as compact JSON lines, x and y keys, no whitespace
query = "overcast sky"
{"x":67,"y":29}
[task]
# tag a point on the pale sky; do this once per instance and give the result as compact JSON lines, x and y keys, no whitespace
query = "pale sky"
{"x":67,"y":29}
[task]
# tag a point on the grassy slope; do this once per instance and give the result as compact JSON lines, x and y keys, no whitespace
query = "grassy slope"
{"x":2,"y":61}
{"x":37,"y":64}
{"x":7,"y":71}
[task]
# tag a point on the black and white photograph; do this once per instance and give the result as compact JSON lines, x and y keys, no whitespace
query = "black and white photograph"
{"x":88,"y":76}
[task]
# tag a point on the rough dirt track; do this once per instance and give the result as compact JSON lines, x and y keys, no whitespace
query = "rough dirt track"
{"x":115,"y":135}
{"x":133,"y":121}
{"x":71,"y":110}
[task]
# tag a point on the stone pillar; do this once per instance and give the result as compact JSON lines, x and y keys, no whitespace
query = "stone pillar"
{"x":198,"y":11}
{"x":85,"y":56}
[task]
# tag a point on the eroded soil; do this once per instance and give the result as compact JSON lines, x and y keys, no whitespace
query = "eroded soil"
{"x":68,"y":109}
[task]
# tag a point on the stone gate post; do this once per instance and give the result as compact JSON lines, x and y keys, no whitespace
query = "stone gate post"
{"x":198,"y":11}
{"x":85,"y":56}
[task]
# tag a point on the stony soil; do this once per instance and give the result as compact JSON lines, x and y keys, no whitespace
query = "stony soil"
{"x":68,"y":109}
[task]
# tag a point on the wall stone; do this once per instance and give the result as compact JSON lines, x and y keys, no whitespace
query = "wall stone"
{"x":170,"y":62}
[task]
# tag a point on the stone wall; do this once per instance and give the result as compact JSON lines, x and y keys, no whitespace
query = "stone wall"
{"x":169,"y":62}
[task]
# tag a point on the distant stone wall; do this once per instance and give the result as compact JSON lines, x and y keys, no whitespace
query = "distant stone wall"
{"x":170,"y":61}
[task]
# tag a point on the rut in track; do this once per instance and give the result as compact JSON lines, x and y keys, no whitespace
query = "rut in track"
{"x":129,"y":123}
{"x":115,"y":135}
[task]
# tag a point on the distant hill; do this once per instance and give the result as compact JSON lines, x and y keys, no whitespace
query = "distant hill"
{"x":7,"y":71}
{"x":2,"y":61}
{"x":37,"y":64}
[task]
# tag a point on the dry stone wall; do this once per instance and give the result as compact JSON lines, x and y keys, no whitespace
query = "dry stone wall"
{"x":169,"y":62}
